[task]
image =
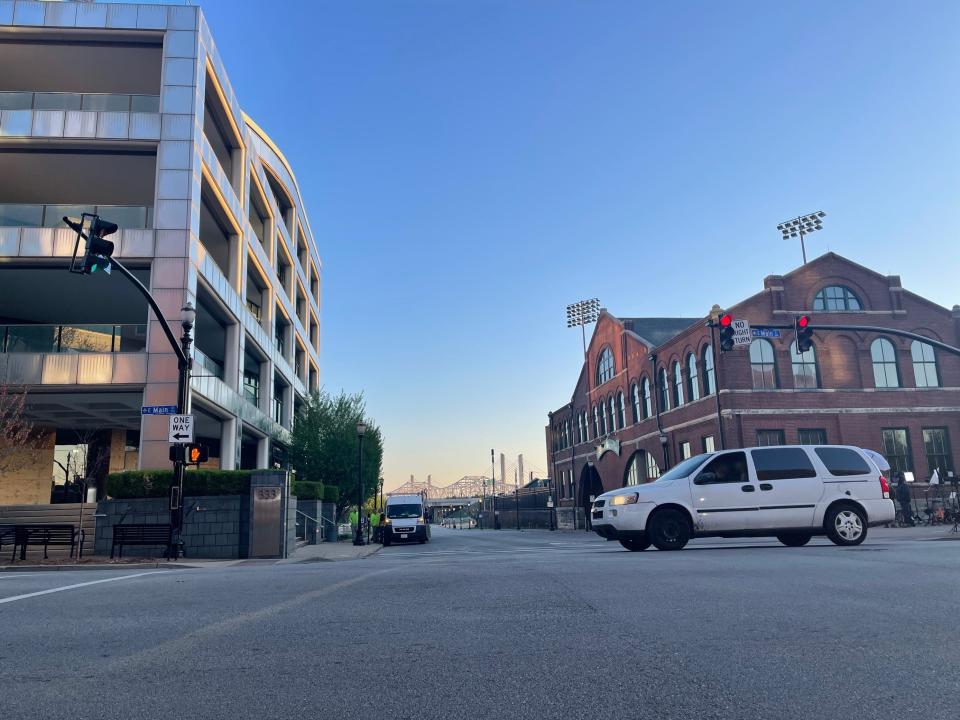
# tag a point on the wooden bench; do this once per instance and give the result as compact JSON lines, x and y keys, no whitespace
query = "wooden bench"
{"x":156,"y":534}
{"x":46,"y":535}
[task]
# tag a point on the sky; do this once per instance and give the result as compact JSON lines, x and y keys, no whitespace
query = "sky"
{"x":470,"y":167}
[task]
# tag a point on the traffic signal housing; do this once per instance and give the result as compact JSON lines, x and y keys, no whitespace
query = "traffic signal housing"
{"x":801,"y":324}
{"x":93,"y":229}
{"x":191,"y":454}
{"x":726,"y":332}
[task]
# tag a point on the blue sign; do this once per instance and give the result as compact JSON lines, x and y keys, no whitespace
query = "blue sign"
{"x":765,"y":332}
{"x":158,"y":410}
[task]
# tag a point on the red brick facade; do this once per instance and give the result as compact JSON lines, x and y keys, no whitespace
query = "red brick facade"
{"x":845,"y":404}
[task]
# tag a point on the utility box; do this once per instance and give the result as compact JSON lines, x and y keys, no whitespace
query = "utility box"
{"x":269,"y":493}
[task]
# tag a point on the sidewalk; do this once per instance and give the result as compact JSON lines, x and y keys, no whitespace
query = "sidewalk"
{"x":101,"y":563}
{"x":331,"y":552}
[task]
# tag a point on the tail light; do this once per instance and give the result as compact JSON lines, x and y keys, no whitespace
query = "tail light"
{"x":884,"y":487}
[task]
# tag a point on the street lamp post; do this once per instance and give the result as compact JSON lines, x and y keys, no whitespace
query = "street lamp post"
{"x":581,"y":314}
{"x":361,"y":430}
{"x":188,"y":316}
{"x":664,"y":442}
{"x":802,"y":226}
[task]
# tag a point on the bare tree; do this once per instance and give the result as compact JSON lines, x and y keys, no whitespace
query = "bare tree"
{"x":16,"y":431}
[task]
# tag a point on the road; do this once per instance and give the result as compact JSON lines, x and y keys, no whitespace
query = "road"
{"x":498,"y":624}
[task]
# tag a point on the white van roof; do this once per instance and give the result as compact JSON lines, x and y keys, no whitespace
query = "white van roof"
{"x":403,"y":499}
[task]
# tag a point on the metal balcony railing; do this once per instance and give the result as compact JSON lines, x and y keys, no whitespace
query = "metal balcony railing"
{"x":73,"y":338}
{"x":131,"y":217}
{"x":94,"y":102}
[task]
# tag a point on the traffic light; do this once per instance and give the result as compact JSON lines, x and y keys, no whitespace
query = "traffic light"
{"x":191,"y":454}
{"x":804,"y":332}
{"x":726,"y":332}
{"x":93,"y":229}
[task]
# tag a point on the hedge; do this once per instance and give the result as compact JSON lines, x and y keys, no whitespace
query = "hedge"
{"x":307,"y":490}
{"x":133,"y":484}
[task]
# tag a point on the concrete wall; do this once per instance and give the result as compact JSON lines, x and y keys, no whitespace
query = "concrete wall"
{"x":26,"y":474}
{"x":213,"y":527}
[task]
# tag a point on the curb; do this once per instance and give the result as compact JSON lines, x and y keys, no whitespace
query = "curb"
{"x":361,"y":556}
{"x":112,"y":566}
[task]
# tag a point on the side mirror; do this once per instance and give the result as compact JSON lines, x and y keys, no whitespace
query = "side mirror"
{"x":707,"y":477}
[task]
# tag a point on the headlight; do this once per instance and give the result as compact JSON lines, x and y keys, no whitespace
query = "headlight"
{"x":625,"y":499}
{"x":386,"y":521}
{"x":420,"y":519}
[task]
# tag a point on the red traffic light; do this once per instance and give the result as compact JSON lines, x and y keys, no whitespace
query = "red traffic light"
{"x":725,"y":320}
{"x":803,"y":321}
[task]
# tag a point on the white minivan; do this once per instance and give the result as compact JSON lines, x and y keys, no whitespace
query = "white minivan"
{"x":405,"y":520}
{"x":792,"y":492}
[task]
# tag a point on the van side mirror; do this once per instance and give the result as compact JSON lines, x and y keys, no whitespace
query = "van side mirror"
{"x":707,"y":477}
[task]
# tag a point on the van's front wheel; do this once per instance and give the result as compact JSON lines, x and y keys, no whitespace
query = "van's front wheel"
{"x":669,"y":529}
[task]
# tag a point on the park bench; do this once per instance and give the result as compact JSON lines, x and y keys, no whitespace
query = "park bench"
{"x":45,"y":535}
{"x":150,"y":534}
{"x":6,"y":535}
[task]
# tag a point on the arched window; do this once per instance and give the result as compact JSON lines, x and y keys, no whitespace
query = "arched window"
{"x":635,"y":402}
{"x":709,"y":374}
{"x":611,"y":415}
{"x":693,"y":379}
{"x":884,"y":364}
{"x":924,"y":365}
{"x":621,"y":411}
{"x":596,"y":422}
{"x":664,"y":391}
{"x":762,"y":365}
{"x":653,"y":470}
{"x":836,"y":298}
{"x":804,"y":367}
{"x":647,"y":399}
{"x":634,"y":471}
{"x":677,"y":385}
{"x":566,"y":433}
{"x":605,"y":368}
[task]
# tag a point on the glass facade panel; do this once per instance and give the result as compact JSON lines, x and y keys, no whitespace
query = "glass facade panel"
{"x":804,"y":367}
{"x":21,"y":216}
{"x":884,"y":359}
{"x":924,"y":364}
{"x":762,"y":365}
{"x":56,"y":101}
{"x":896,"y":449}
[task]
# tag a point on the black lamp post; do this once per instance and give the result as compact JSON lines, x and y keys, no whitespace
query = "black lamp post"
{"x":184,"y":364}
{"x":358,"y":538}
{"x":664,"y":442}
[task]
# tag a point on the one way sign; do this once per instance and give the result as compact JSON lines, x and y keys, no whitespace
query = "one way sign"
{"x":181,"y":429}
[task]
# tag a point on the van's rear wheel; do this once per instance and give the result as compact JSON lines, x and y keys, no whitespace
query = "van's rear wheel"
{"x":794,"y":540}
{"x":635,"y":545}
{"x":669,"y":529}
{"x":846,"y":525}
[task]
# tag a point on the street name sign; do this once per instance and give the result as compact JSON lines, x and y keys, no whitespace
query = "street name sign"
{"x":765,"y":332}
{"x":741,"y":333}
{"x":181,"y":429}
{"x":158,"y":410}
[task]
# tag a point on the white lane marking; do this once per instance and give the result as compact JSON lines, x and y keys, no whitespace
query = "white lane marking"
{"x":15,"y":575}
{"x":75,"y":586}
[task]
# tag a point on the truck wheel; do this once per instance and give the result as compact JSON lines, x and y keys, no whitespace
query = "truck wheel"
{"x":669,"y":529}
{"x":635,"y":545}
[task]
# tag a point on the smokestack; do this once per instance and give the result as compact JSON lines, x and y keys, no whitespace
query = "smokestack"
{"x":429,"y":480}
{"x":503,"y":467}
{"x":520,"y":467}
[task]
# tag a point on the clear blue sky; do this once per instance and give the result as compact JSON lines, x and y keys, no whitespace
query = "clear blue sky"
{"x":471,"y":167}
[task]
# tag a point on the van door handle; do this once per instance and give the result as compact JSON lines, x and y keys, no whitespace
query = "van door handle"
{"x":766,"y":486}
{"x":747,"y":488}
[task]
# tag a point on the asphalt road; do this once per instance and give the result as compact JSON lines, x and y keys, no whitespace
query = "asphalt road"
{"x":498,"y":624}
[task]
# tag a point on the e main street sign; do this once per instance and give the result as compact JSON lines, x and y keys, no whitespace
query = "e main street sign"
{"x":765,"y":332}
{"x":158,"y":410}
{"x":181,"y":429}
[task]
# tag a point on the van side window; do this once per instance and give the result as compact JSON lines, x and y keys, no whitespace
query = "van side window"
{"x":782,"y":463}
{"x":842,"y":461}
{"x":727,"y":468}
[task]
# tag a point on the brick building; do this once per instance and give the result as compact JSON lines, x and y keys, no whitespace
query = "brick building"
{"x":651,"y":390}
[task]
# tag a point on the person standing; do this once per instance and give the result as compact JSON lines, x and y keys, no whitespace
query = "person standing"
{"x":906,"y":504}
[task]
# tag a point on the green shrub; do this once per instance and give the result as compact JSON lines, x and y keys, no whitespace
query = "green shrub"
{"x":306,"y":490}
{"x":133,"y":484}
{"x":331,"y":493}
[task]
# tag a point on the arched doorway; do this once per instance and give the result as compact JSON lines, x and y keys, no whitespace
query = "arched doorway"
{"x":590,"y":485}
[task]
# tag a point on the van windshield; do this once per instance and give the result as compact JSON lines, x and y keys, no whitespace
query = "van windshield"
{"x":685,"y":468}
{"x":403,"y":511}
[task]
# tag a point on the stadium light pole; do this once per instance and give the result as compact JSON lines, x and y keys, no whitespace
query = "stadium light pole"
{"x":802,"y":226}
{"x":581,"y":314}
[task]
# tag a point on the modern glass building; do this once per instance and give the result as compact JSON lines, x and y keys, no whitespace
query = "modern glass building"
{"x":127,"y":111}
